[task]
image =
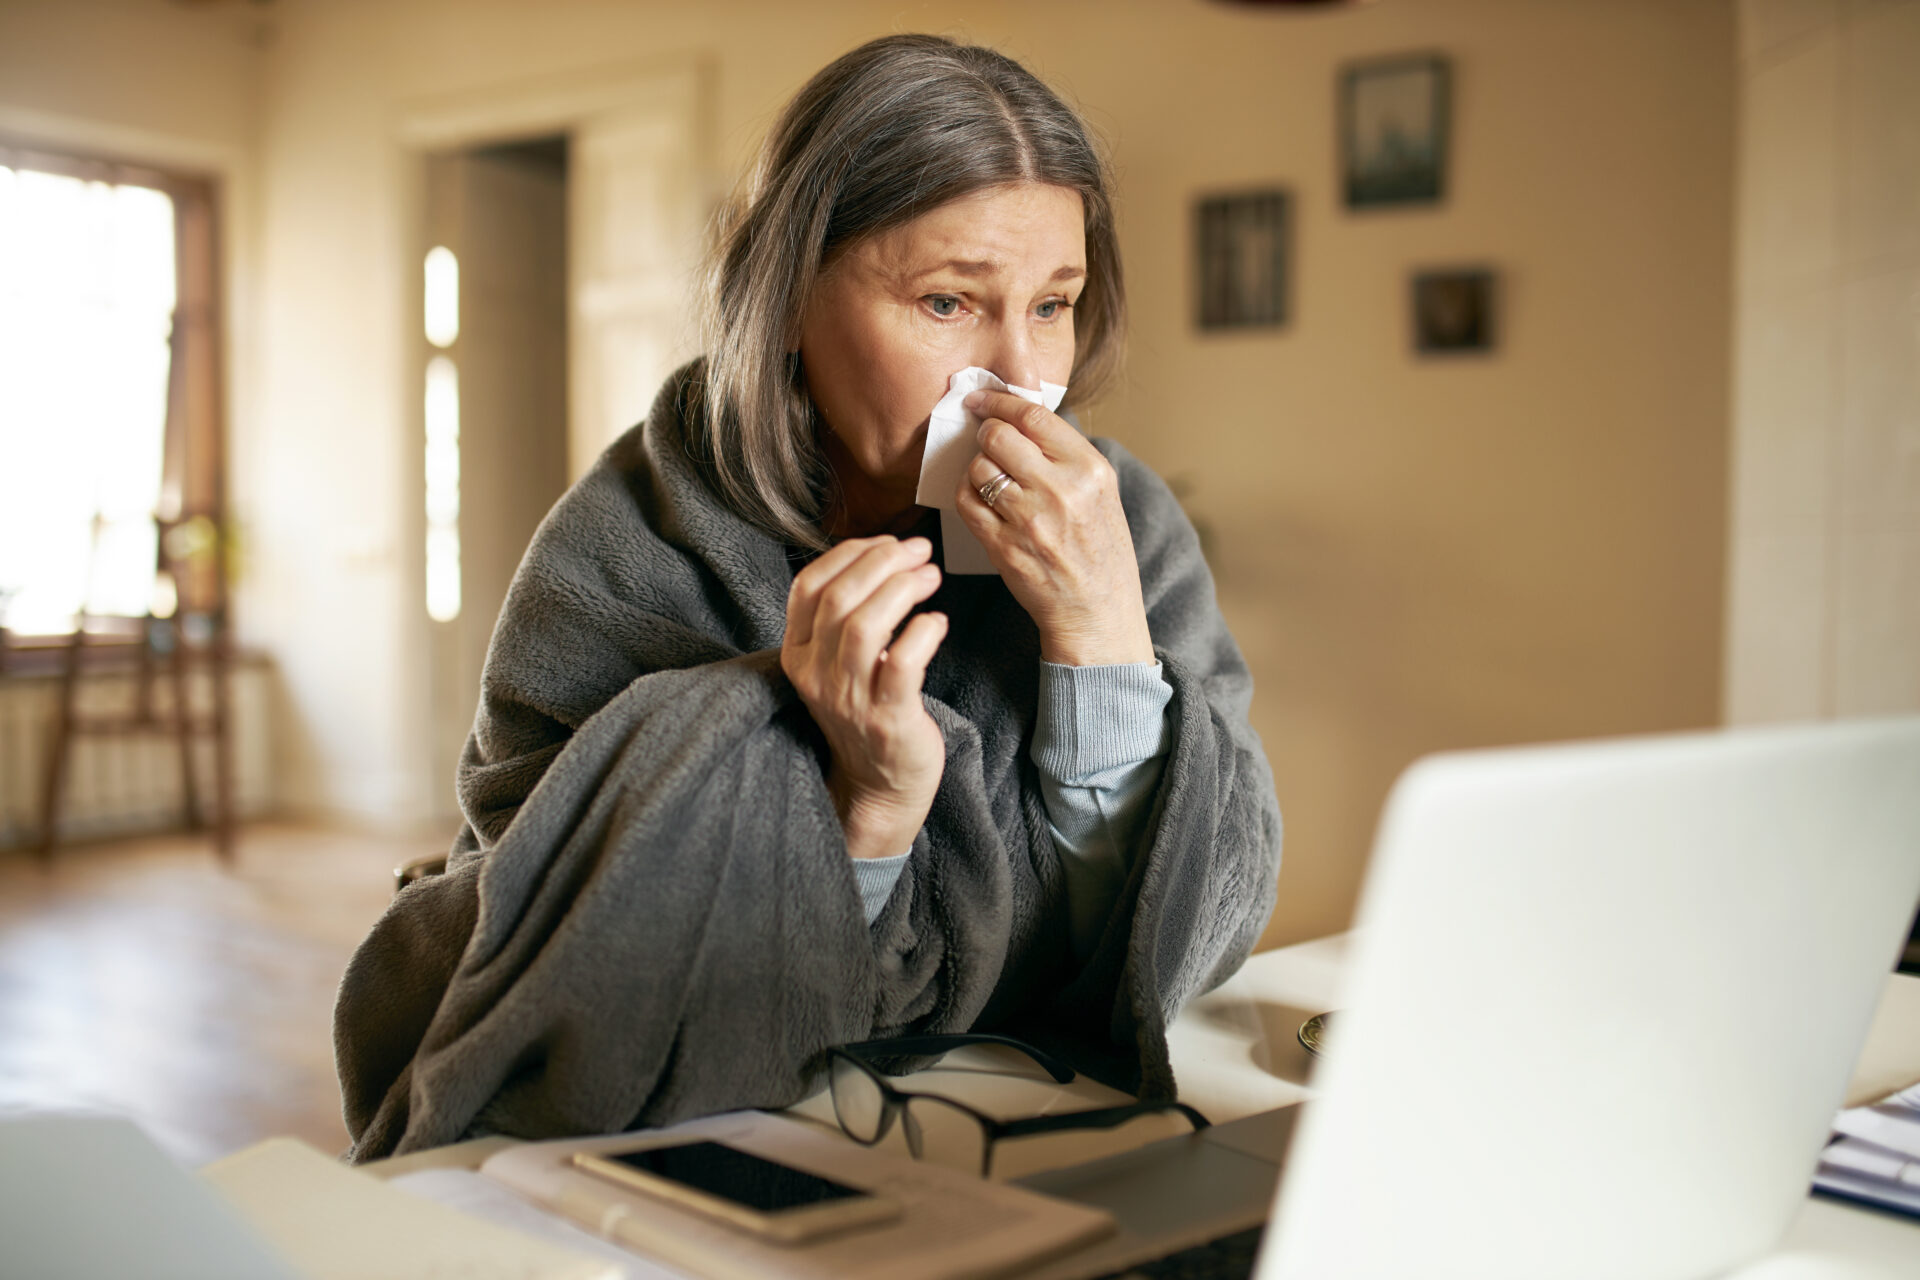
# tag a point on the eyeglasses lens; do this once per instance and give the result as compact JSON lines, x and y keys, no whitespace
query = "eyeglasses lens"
{"x":857,"y":1101}
{"x":943,"y":1134}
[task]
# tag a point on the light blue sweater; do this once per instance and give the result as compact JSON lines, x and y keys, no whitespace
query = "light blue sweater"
{"x":1100,"y":739}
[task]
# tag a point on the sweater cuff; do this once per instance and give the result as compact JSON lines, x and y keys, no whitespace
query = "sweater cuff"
{"x":875,"y":878}
{"x":1094,"y":719}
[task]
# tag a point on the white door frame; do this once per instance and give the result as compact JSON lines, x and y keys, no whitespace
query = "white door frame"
{"x":679,"y":91}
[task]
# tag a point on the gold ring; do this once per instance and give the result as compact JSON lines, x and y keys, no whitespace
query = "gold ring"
{"x":990,"y":491}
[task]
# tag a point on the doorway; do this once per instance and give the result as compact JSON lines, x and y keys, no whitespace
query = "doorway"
{"x":570,"y":209}
{"x":494,"y":279}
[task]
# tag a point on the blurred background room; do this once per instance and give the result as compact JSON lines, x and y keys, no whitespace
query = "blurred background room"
{"x":1533,"y":370}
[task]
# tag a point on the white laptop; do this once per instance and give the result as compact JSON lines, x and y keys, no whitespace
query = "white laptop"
{"x":91,"y":1197}
{"x":1605,"y":1004}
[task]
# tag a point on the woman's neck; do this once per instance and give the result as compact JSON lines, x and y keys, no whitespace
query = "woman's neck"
{"x":862,"y":505}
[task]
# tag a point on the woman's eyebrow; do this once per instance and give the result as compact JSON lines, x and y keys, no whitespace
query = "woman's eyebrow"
{"x":962,"y":267}
{"x":988,"y":266}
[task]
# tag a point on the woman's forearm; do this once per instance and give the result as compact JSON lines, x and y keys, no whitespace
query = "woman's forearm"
{"x":1100,"y":743}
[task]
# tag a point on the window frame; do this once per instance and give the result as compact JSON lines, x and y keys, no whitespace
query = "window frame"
{"x":193,"y":467}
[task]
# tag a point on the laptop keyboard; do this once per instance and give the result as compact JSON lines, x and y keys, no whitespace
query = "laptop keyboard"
{"x":1228,"y":1258}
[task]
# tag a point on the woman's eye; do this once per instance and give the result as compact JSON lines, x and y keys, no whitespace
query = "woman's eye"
{"x":944,"y":305}
{"x":1052,"y":307}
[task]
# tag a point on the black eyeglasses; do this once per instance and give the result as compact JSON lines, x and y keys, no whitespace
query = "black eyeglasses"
{"x":866,"y":1105}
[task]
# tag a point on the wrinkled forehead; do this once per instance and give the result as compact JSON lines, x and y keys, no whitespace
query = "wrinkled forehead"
{"x":1026,"y":231}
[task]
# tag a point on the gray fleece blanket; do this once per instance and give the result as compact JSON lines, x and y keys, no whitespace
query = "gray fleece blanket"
{"x":651,"y":914}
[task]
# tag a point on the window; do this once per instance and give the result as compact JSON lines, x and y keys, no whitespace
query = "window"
{"x":87,"y":297}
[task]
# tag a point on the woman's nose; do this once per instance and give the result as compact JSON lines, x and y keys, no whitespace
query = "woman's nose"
{"x":1010,"y":357}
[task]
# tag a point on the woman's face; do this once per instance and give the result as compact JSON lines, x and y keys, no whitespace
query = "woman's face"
{"x":989,"y":279}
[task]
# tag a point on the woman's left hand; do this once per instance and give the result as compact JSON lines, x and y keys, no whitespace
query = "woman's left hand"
{"x":1057,"y":533}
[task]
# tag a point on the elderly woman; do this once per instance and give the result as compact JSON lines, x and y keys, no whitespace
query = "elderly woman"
{"x":753,"y":774}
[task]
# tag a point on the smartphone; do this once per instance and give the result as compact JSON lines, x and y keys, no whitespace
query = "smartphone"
{"x":774,"y":1201}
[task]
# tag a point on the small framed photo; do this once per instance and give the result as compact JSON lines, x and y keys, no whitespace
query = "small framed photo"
{"x":1242,"y":243}
{"x":1454,"y":311}
{"x":1393,"y":130}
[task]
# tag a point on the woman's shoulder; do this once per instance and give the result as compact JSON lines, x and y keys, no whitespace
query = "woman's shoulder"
{"x":1173,"y":564}
{"x":642,"y":484}
{"x":641,"y":529}
{"x":654,"y":452}
{"x":1150,"y":504}
{"x":1129,"y":468}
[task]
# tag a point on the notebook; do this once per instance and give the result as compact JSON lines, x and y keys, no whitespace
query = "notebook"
{"x":951,"y":1224}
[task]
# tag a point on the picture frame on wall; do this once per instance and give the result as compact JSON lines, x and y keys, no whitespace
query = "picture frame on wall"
{"x":1394,"y":126}
{"x":1242,"y":259}
{"x":1454,"y":311}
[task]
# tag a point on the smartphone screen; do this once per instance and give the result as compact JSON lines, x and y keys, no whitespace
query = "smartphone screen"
{"x":735,"y":1175}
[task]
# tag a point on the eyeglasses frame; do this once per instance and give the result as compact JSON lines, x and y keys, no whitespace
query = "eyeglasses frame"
{"x":894,"y":1101}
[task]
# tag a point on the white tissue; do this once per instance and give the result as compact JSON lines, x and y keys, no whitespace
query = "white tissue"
{"x":951,"y":445}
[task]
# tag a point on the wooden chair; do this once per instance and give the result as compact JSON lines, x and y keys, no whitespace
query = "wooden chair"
{"x":157,"y":643}
{"x":192,"y":546}
{"x":418,"y":869}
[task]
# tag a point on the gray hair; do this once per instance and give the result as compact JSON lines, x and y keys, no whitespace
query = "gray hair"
{"x":884,"y":134}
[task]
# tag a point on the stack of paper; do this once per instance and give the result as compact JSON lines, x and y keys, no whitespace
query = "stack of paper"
{"x":335,"y":1223}
{"x":1877,"y":1158}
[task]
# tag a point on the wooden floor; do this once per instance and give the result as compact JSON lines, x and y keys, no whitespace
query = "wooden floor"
{"x":141,"y":978}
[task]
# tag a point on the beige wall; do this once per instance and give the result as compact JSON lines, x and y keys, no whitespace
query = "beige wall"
{"x":1824,"y":614}
{"x":1421,"y":555}
{"x":1414,"y":555}
{"x":133,"y":66}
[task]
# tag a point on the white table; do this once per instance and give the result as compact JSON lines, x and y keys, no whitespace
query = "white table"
{"x":1236,"y":1051}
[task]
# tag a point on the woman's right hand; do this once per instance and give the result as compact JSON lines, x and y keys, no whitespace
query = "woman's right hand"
{"x":863,"y":686}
